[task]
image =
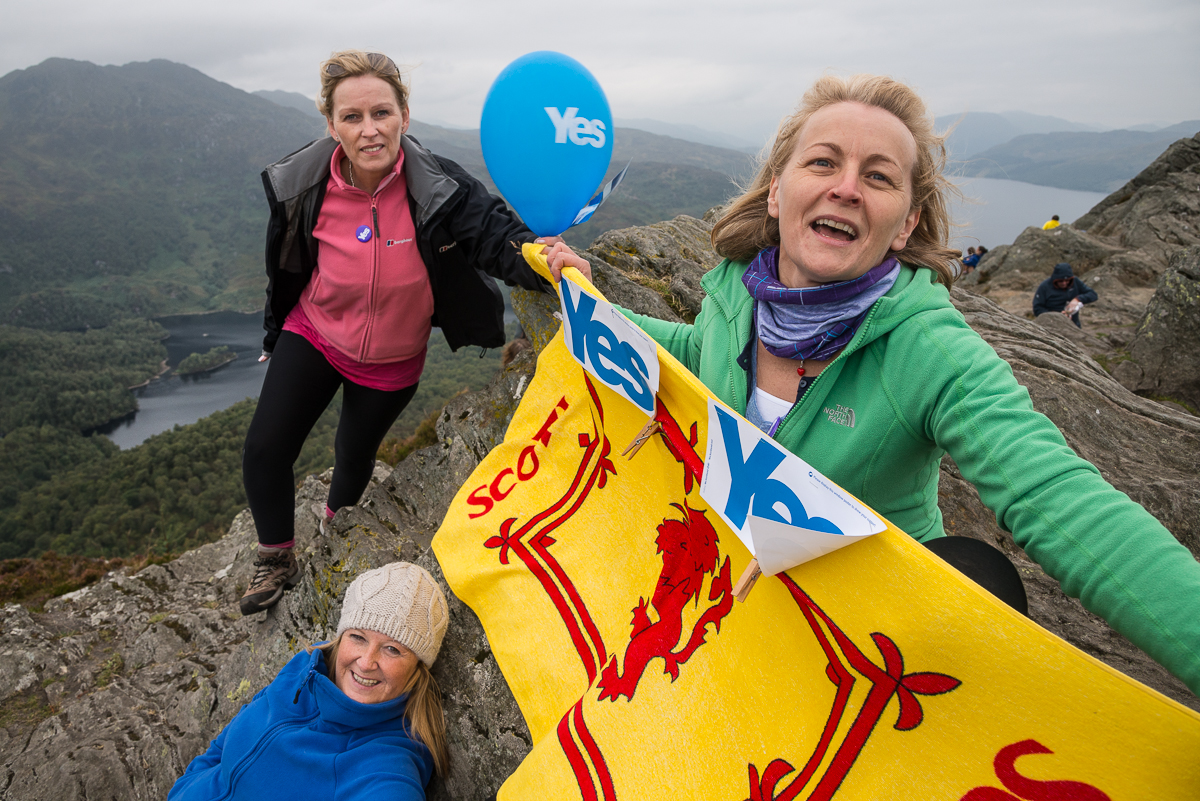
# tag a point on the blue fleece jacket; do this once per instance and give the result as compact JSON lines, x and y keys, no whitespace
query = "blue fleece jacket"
{"x":303,"y":738}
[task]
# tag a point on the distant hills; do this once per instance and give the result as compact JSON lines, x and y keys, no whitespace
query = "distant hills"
{"x":290,"y":100}
{"x":144,"y":196}
{"x":1095,"y":162}
{"x":976,"y":131}
{"x":1051,"y":151}
{"x":670,"y":175}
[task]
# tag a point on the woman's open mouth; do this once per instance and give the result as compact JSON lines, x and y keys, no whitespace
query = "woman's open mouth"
{"x":364,"y":681}
{"x":832,"y":229}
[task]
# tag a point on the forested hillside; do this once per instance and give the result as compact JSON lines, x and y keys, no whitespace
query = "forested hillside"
{"x":177,"y":490}
{"x":75,"y":380}
{"x":63,"y":490}
{"x":142,"y":198}
{"x":75,"y":494}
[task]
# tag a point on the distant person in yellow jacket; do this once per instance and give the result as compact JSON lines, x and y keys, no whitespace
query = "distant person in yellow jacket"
{"x":1051,"y":223}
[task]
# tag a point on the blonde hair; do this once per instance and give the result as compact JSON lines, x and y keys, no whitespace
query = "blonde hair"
{"x":745,"y":227}
{"x":423,"y":711}
{"x":351,"y":64}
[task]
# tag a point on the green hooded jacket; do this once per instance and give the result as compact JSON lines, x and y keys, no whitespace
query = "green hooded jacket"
{"x":878,"y":426}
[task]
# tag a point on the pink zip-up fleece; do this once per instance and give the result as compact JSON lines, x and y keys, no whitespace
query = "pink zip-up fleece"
{"x":369,"y":297}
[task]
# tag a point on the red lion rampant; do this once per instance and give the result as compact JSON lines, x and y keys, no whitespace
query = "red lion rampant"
{"x":690,"y":553}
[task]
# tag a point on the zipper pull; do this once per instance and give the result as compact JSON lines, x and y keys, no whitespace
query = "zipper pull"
{"x":299,"y":689}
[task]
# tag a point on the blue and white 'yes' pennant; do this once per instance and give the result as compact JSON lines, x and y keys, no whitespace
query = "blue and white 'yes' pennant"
{"x":587,"y":211}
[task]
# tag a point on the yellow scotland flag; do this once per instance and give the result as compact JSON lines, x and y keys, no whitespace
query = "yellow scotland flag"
{"x":874,"y":672}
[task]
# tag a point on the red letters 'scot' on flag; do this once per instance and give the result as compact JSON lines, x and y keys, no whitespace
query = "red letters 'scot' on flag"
{"x":875,"y":672}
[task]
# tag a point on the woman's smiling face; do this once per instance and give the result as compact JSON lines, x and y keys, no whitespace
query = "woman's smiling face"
{"x":371,"y":667}
{"x":368,"y":121}
{"x":845,"y":198}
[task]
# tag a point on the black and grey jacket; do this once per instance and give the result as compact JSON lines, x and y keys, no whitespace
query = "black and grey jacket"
{"x":464,"y":234}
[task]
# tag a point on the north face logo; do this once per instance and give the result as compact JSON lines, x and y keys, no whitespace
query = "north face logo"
{"x":842,"y":415}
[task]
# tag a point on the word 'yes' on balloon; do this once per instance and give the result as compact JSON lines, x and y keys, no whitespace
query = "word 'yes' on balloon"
{"x":580,"y":130}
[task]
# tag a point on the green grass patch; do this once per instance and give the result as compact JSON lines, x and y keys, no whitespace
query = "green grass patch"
{"x":25,"y":709}
{"x":112,"y":667}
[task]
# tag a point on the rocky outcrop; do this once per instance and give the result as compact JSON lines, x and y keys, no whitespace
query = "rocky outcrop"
{"x":109,"y":691}
{"x":1164,"y":356}
{"x":1158,"y":211}
{"x":1120,"y":247}
{"x":669,"y":257}
{"x":1029,"y":259}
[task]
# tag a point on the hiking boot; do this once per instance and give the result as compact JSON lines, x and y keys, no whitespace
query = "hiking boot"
{"x":273,"y":573}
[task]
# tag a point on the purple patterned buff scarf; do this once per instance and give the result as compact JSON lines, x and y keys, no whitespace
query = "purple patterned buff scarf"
{"x":811,"y":323}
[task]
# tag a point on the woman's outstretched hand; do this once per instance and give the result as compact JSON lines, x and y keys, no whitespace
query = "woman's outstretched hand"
{"x":559,"y":255}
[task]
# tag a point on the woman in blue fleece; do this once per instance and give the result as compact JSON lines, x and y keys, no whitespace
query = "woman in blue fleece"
{"x":356,"y":718}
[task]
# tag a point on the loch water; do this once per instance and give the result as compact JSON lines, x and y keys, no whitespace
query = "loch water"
{"x":995,"y":211}
{"x":180,"y":400}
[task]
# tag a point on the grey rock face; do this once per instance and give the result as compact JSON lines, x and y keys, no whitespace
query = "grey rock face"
{"x":1029,"y":260}
{"x":1010,"y":274}
{"x":668,"y":257}
{"x":112,"y":690}
{"x":1158,"y":211}
{"x":654,"y":270}
{"x":1165,"y":352}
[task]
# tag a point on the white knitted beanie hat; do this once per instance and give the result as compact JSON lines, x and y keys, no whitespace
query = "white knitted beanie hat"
{"x":402,"y":601}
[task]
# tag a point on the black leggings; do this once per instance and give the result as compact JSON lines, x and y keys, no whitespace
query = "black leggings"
{"x":300,"y":383}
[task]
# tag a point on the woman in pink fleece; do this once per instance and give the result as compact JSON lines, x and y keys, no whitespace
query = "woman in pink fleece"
{"x":372,"y":241}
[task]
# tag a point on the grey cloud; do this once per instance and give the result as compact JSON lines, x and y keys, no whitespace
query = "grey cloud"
{"x":733,"y":68}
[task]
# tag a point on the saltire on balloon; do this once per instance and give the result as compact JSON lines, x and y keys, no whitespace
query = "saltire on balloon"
{"x":546,"y":133}
{"x":587,"y":211}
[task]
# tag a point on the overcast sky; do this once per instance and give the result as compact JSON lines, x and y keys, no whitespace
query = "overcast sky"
{"x":734,"y":67}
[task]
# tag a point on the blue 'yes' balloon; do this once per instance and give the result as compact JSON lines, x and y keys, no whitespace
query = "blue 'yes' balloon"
{"x":547,"y":138}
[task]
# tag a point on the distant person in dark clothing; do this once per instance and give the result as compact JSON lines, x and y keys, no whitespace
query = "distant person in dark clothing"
{"x":1063,"y":292}
{"x":1051,"y":223}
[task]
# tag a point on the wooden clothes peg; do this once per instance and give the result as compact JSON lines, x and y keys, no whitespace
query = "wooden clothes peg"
{"x":746,"y":583}
{"x":648,"y":431}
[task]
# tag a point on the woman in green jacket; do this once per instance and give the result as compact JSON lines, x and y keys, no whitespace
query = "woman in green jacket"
{"x":829,"y":325}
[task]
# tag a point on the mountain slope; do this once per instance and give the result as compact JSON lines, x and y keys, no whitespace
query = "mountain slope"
{"x":291,"y":100}
{"x":976,"y":131}
{"x":142,"y":197}
{"x":138,"y":191}
{"x":1096,"y":162}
